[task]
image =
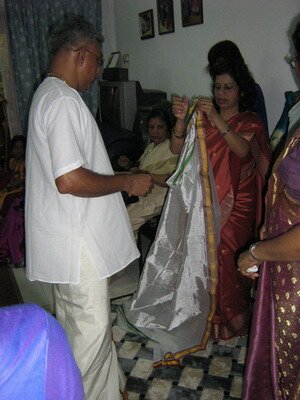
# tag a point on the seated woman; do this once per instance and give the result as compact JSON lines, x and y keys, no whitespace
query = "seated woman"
{"x":158,"y":161}
{"x":12,"y":234}
{"x":12,"y":242}
{"x":16,"y":171}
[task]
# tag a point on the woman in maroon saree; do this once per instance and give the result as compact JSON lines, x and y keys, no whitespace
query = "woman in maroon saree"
{"x":239,"y":184}
{"x":273,"y":361}
{"x":239,"y":155}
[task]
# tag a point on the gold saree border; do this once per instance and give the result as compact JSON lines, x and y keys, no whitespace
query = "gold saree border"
{"x":172,"y":359}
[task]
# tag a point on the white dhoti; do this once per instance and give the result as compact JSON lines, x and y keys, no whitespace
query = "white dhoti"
{"x":84,"y":312}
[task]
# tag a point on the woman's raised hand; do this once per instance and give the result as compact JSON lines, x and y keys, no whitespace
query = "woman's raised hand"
{"x":207,"y":106}
{"x":180,"y":106}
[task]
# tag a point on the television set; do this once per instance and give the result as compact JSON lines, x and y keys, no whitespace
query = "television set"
{"x":118,"y":103}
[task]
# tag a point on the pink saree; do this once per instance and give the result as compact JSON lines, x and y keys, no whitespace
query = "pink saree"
{"x":239,"y":185}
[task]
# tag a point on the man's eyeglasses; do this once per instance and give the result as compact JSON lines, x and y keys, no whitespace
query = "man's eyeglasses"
{"x":292,"y":60}
{"x":99,"y":60}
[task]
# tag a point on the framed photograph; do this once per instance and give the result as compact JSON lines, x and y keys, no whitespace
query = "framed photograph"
{"x":191,"y":12}
{"x":146,"y":24}
{"x":165,"y":16}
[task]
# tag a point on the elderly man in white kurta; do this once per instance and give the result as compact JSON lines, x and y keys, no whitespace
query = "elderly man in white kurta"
{"x":77,"y":229}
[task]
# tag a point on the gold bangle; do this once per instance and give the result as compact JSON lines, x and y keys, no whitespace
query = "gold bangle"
{"x":177,"y":136}
{"x":226,"y":131}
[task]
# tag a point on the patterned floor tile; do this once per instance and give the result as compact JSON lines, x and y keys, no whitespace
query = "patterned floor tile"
{"x":133,"y":396}
{"x":142,"y":369}
{"x":129,"y":349}
{"x":118,"y":333}
{"x":191,"y":377}
{"x":216,"y":382}
{"x":242,"y":355}
{"x":215,"y":373}
{"x":182,"y":393}
{"x":236,"y":387}
{"x":220,"y":366}
{"x":211,"y":394}
{"x":159,"y":389}
{"x":137,"y":385}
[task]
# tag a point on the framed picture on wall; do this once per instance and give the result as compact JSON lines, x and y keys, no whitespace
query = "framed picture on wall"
{"x":146,"y":24}
{"x":191,"y":12}
{"x":165,"y":16}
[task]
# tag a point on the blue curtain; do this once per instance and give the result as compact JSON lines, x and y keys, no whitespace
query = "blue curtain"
{"x":28,"y":26}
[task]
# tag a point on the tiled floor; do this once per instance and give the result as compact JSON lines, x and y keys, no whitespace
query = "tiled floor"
{"x":213,"y":374}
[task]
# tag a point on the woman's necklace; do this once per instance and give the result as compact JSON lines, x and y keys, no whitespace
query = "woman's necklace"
{"x":54,"y":75}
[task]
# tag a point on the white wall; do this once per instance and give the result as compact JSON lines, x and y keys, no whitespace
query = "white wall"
{"x":175,"y":62}
{"x":108,"y":27}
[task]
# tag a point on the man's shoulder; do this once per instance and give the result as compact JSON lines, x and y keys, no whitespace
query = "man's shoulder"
{"x":54,"y":89}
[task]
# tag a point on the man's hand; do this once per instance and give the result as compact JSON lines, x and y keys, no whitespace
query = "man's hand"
{"x":139,"y":184}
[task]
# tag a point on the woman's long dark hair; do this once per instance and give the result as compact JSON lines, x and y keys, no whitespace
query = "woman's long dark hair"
{"x":240,"y":73}
{"x":296,"y":39}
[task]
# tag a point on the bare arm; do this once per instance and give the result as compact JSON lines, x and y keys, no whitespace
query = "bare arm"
{"x":236,"y":143}
{"x":285,"y":247}
{"x":158,"y":179}
{"x":82,"y":182}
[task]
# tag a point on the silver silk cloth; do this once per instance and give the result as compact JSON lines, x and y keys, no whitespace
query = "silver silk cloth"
{"x":173,"y":301}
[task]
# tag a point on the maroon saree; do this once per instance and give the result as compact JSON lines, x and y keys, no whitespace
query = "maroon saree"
{"x":239,"y":184}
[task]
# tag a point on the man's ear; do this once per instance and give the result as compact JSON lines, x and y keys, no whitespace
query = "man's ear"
{"x":81,"y":56}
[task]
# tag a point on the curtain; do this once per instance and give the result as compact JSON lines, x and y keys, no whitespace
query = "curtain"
{"x":7,"y":77}
{"x":28,"y":26}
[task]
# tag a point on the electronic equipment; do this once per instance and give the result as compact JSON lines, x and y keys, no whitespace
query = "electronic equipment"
{"x":118,"y":103}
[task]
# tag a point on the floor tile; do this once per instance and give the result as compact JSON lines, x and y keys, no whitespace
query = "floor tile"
{"x":211,"y":394}
{"x":236,"y":387}
{"x":182,"y":393}
{"x":191,"y":377}
{"x":220,"y":366}
{"x":129,"y":349}
{"x":142,"y":369}
{"x":159,"y":389}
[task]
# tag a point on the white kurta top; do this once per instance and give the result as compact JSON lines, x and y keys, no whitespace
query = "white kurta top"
{"x":62,"y":136}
